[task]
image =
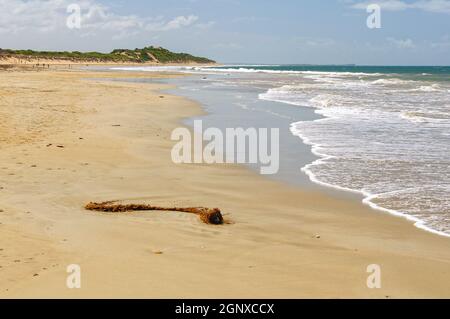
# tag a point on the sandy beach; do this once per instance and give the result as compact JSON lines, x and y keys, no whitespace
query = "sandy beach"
{"x":71,"y":137}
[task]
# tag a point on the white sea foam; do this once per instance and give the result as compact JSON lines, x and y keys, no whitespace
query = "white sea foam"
{"x":243,"y":69}
{"x":391,"y":81}
{"x":369,"y":198}
{"x":365,"y":145}
{"x":428,"y":88}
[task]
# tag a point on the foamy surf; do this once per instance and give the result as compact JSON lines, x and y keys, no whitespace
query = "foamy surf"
{"x":383,"y":131}
{"x":374,"y":113}
{"x":367,"y":196}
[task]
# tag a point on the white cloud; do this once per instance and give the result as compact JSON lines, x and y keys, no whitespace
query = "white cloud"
{"x":437,"y":6}
{"x":179,"y":22}
{"x":402,"y":43}
{"x":51,"y":15}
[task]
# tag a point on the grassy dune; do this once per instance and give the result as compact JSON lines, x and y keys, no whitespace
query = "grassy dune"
{"x":145,"y":55}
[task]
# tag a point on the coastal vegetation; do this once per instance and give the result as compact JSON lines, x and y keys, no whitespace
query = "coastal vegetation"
{"x":149,"y":54}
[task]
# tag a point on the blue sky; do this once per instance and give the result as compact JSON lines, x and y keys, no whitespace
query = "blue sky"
{"x":414,"y":32}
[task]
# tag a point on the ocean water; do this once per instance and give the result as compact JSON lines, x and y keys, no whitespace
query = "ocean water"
{"x":383,"y":132}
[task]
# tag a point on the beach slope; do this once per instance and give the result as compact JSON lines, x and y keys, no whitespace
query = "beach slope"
{"x":68,"y":138}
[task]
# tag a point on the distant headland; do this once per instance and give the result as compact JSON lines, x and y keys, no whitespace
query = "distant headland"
{"x":147,"y":55}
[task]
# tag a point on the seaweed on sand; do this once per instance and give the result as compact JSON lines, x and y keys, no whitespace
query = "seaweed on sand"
{"x":207,"y":215}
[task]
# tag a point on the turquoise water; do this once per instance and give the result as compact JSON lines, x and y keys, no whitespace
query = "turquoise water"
{"x":438,"y":72}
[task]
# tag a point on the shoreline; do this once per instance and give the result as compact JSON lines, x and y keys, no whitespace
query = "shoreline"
{"x":270,"y":250}
{"x":366,"y":197}
{"x":363,"y":197}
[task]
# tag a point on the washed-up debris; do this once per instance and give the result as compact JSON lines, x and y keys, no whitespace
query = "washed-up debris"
{"x":207,"y":215}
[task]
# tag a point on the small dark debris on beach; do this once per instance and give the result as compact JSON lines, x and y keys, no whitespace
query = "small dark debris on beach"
{"x":207,"y":215}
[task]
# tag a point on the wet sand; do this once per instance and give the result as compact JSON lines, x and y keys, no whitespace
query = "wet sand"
{"x":67,"y":139}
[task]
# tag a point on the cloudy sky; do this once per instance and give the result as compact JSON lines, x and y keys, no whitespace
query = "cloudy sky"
{"x":414,"y":32}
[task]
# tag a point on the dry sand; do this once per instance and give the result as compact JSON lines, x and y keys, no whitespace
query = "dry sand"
{"x":271,"y":249}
